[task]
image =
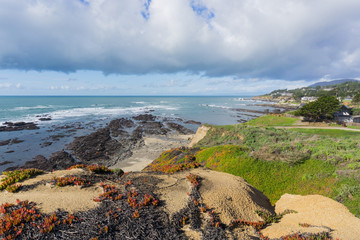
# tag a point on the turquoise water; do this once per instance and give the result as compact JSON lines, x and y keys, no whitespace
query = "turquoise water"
{"x":86,"y":114}
{"x":212,"y":110}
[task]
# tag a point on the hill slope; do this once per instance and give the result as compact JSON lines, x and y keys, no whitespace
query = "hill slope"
{"x":331,"y":83}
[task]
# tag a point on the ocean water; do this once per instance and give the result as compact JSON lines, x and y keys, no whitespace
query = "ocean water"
{"x":85,"y":114}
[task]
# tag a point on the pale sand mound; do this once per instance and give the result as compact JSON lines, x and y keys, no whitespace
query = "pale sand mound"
{"x":230,"y":196}
{"x":50,"y":198}
{"x":154,"y":146}
{"x":315,"y":210}
{"x":200,"y":134}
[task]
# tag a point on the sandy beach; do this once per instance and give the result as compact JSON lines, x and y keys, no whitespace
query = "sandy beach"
{"x":153,"y":146}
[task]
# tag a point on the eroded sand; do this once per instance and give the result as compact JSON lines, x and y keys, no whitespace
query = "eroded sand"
{"x":322,"y":213}
{"x":154,"y":146}
{"x":50,"y":198}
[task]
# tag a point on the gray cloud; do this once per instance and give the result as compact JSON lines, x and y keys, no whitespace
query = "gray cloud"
{"x":280,"y":39}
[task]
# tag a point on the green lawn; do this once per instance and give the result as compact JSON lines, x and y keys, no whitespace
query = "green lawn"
{"x":328,"y":132}
{"x":271,"y":120}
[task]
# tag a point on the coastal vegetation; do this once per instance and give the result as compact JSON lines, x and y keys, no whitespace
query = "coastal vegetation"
{"x":342,"y":89}
{"x":322,"y":109}
{"x":278,"y":161}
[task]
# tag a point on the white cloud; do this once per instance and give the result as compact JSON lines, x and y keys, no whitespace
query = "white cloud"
{"x":279,"y":39}
{"x":5,"y":85}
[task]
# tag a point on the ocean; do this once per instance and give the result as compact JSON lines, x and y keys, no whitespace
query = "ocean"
{"x":78,"y":116}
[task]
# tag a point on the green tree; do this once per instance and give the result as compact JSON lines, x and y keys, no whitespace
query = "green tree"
{"x":356,"y":98}
{"x":322,"y":109}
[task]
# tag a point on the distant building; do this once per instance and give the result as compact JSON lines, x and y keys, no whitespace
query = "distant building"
{"x":287,"y":94}
{"x":308,"y":99}
{"x":356,"y":119}
{"x":344,"y":115}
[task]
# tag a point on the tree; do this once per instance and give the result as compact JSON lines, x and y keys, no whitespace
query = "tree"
{"x":356,"y":98}
{"x":322,"y":109}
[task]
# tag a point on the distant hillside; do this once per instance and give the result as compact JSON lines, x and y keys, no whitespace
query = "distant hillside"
{"x":334,"y":82}
{"x":343,"y":88}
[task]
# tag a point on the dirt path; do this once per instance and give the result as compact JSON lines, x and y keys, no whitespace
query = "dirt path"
{"x":154,"y":146}
{"x":338,"y":128}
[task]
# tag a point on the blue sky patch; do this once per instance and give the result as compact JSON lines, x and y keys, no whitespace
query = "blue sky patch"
{"x":201,"y":10}
{"x":84,"y":2}
{"x":145,"y":13}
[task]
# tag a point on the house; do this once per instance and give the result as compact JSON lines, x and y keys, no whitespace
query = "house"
{"x":308,"y":99}
{"x":344,"y":114}
{"x":287,"y":94}
{"x":356,"y":119}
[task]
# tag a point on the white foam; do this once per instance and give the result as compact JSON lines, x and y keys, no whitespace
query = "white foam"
{"x":89,"y":111}
{"x":29,"y":108}
{"x":101,"y":111}
{"x":139,"y":102}
{"x":215,"y":106}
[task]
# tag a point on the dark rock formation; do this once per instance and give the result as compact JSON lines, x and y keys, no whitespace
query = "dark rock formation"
{"x":145,"y":117}
{"x":97,"y":147}
{"x":18,"y":126}
{"x":179,"y":128}
{"x":57,"y":161}
{"x":192,"y":122}
{"x":45,"y":119}
{"x":6,"y":142}
{"x":5,"y":162}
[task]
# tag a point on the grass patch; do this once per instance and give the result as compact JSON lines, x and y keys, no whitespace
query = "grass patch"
{"x":328,"y":132}
{"x":286,"y":145}
{"x":272,"y":120}
{"x":273,"y":178}
{"x":174,"y":160}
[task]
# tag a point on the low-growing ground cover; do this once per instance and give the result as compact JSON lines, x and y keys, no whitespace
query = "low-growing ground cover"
{"x":328,"y":132}
{"x":272,"y":120}
{"x":279,"y":161}
{"x":17,"y":176}
{"x":273,"y":178}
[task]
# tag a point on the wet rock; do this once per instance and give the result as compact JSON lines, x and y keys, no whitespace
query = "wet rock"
{"x":96,"y":147}
{"x":18,"y":126}
{"x":16,"y":140}
{"x":45,"y":119}
{"x":121,"y":123}
{"x":46,"y":144}
{"x":192,"y":122}
{"x":154,"y":128}
{"x":6,"y":142}
{"x":117,"y":125}
{"x":11,"y":151}
{"x":145,"y":118}
{"x":58,"y":161}
{"x":5,"y":162}
{"x":58,"y":136}
{"x":179,"y":128}
{"x":137,"y":133}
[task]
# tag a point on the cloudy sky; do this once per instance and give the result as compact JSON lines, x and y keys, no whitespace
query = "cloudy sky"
{"x":175,"y":47}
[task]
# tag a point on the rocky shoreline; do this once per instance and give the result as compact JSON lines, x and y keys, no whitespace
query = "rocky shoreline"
{"x":107,"y":145}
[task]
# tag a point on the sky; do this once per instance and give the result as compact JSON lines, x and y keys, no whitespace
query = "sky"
{"x":175,"y":47}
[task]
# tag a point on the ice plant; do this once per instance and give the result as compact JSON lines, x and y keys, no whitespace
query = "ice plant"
{"x":77,"y":166}
{"x":13,"y":188}
{"x":64,"y":181}
{"x":17,"y":176}
{"x":98,"y":169}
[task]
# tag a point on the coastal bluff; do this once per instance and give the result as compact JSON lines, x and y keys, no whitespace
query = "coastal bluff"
{"x":193,"y":204}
